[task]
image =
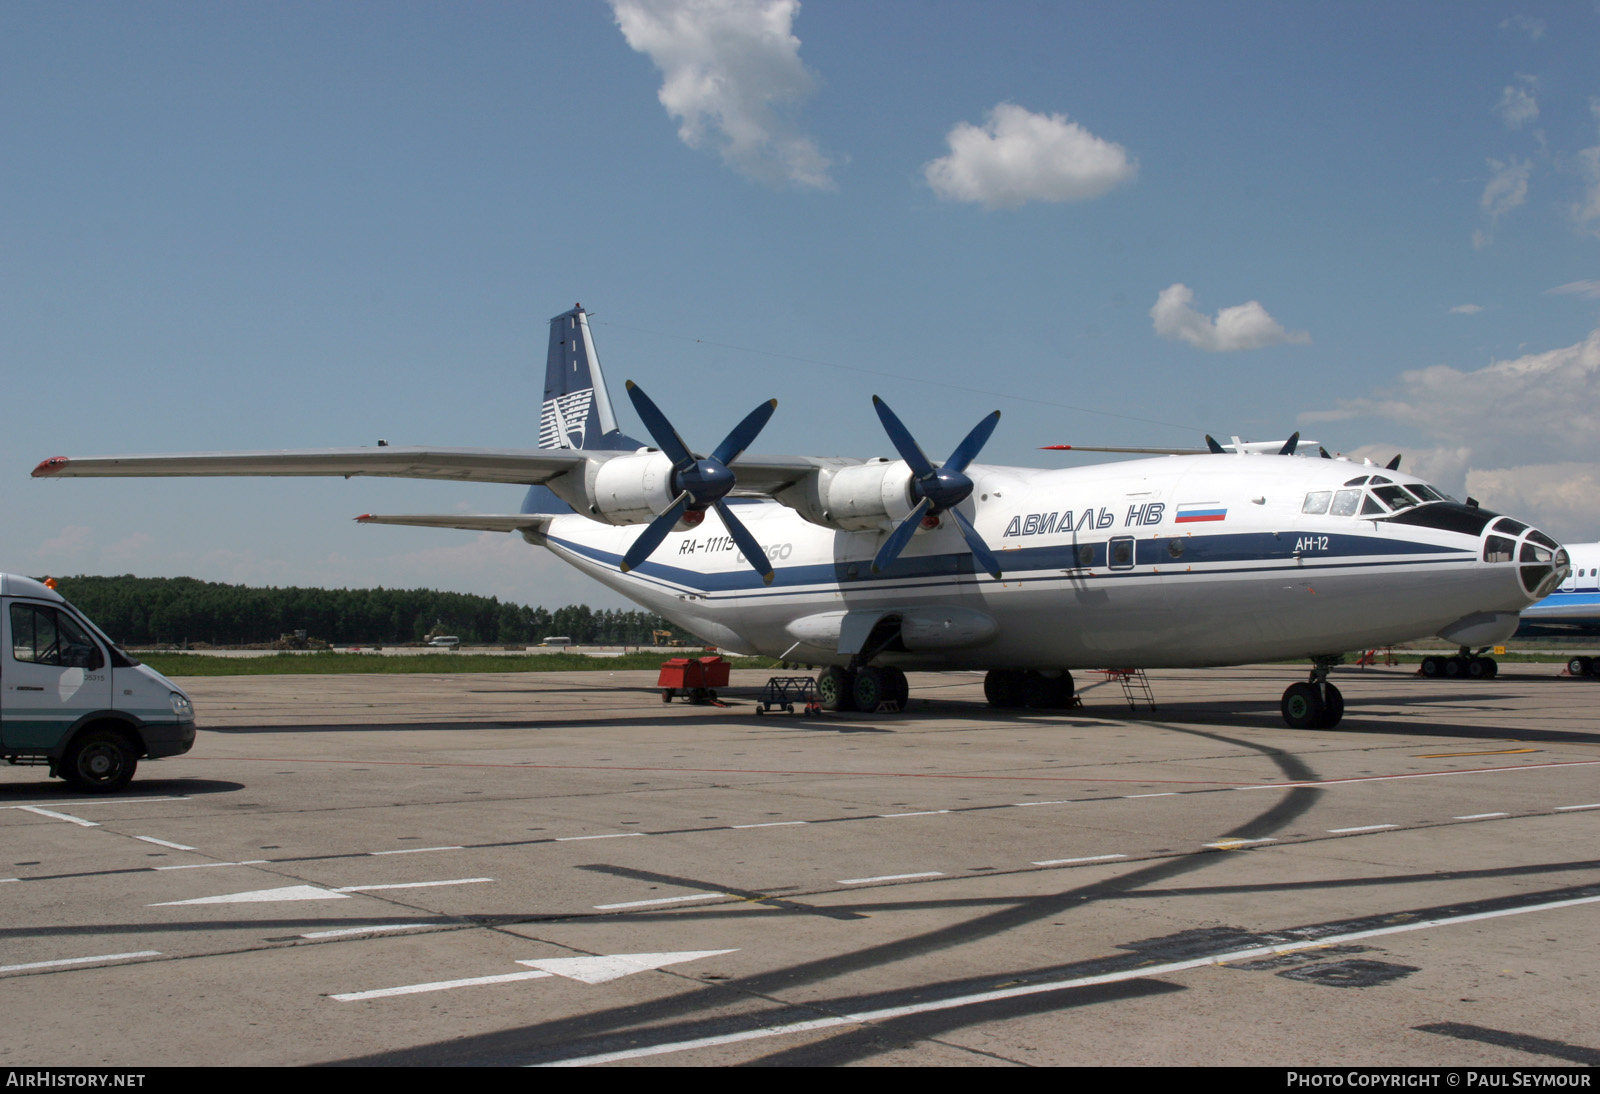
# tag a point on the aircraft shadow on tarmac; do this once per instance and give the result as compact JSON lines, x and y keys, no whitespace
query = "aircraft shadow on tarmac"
{"x":52,"y":790}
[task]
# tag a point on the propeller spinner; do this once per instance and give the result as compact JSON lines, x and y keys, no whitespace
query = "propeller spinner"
{"x":937,"y":490}
{"x":701,"y":483}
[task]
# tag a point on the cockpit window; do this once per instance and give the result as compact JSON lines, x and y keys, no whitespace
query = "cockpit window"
{"x":1357,"y":482}
{"x":1317,"y":501}
{"x":1394,"y":496}
{"x":1541,"y":538}
{"x":1424,"y":491}
{"x":1498,"y":549}
{"x":1371,"y":508}
{"x":1345,"y":503}
{"x":1510,"y":527}
{"x":1376,"y":479}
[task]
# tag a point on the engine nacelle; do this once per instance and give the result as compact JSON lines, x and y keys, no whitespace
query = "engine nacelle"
{"x":622,"y":490}
{"x":861,"y":498}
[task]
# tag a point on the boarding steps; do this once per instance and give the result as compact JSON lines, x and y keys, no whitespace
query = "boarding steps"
{"x":1135,"y":686}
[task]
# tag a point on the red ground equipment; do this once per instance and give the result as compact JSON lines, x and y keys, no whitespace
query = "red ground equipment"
{"x":695,"y":677}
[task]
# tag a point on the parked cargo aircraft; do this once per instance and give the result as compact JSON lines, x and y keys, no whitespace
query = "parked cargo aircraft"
{"x":870,"y":567}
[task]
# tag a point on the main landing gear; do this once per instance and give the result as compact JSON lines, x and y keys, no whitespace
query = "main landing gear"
{"x":1012,"y":688}
{"x":1473,"y":666}
{"x":1315,"y":704}
{"x":861,"y":689}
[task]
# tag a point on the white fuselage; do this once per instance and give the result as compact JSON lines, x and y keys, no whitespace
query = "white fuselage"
{"x":1577,"y":599}
{"x":1166,"y":562}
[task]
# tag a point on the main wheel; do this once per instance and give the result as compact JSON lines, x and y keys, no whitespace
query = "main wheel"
{"x":871,"y":687}
{"x":1455,"y":667}
{"x":1433,"y":666}
{"x":1332,"y":707}
{"x":1004,"y":688}
{"x":899,"y":687}
{"x":1579,"y":666}
{"x":835,"y":689}
{"x":1302,"y":707}
{"x":1049,"y":692}
{"x":100,"y":761}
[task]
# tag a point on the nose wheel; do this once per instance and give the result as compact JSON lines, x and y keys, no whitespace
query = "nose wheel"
{"x":1315,"y":704}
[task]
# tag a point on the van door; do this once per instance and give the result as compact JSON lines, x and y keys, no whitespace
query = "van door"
{"x":52,"y":673}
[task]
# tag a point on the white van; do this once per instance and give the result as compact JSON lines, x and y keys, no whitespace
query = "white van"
{"x":71,"y":699}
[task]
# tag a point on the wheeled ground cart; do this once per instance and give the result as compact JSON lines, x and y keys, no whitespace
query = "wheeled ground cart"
{"x":789,"y":691}
{"x":695,"y":677}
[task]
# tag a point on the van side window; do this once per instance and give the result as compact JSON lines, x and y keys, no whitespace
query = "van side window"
{"x":43,"y":636}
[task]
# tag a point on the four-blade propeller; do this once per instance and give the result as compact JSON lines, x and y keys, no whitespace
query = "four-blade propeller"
{"x":701,"y":484}
{"x":937,"y":490}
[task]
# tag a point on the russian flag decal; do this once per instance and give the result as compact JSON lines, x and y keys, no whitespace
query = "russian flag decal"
{"x":1194,"y":512}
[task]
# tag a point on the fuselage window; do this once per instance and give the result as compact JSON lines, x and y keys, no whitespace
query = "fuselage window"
{"x":1345,"y":503}
{"x":1175,"y":548}
{"x":1317,"y":501}
{"x":1121,"y":553}
{"x":1086,"y":555}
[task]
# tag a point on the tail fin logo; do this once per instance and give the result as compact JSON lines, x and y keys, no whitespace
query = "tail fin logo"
{"x":564,"y":421}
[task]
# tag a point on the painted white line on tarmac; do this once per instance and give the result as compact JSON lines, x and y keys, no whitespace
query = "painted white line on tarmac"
{"x":367,"y":930}
{"x":1163,"y":794}
{"x":659,"y":900}
{"x":1568,"y":808}
{"x":924,"y":813}
{"x":440,"y":985}
{"x":932,"y":1006}
{"x":1085,"y":858}
{"x":80,"y":961}
{"x":415,"y":850}
{"x":1362,"y":828}
{"x":771,"y":824}
{"x":1024,"y":805}
{"x":1230,"y":844}
{"x":53,"y":815}
{"x":888,"y":877}
{"x":209,"y":865}
{"x":412,"y":885}
{"x":608,"y":835}
{"x":1482,"y":816}
{"x":165,"y":843}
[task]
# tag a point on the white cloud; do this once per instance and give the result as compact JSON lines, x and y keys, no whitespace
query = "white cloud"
{"x":732,"y":75}
{"x":1244,"y":326}
{"x":1507,"y":189}
{"x":1558,"y":497}
{"x":1018,"y":156}
{"x":1588,"y":288}
{"x":1520,"y":435}
{"x":1517,"y":106}
{"x":1533,"y":28}
{"x":1466,"y":309}
{"x":1541,"y":407}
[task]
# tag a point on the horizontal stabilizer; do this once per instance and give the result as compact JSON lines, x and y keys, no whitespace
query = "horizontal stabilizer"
{"x":486,"y":522}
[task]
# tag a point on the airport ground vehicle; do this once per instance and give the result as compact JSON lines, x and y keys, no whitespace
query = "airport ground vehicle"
{"x":71,"y":699}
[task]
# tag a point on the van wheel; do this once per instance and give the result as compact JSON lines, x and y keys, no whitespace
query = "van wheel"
{"x":100,"y":761}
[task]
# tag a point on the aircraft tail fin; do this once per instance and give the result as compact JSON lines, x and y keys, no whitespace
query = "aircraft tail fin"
{"x":576,"y":413}
{"x":577,"y":408}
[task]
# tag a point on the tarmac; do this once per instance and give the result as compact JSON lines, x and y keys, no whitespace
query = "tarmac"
{"x":561,"y":869}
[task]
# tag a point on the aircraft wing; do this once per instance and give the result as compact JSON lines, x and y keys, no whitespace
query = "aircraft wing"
{"x":765,"y":476}
{"x":525,"y":466}
{"x":473,"y":522}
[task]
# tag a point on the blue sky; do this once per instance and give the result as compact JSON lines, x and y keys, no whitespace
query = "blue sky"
{"x":300,"y":225}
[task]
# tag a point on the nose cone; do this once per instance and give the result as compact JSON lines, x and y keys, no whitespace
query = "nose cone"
{"x":1544,"y":564}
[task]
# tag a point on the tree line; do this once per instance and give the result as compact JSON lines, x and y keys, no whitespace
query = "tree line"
{"x":145,"y":611}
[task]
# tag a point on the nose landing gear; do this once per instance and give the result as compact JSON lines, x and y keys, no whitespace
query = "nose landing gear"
{"x":1315,"y":704}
